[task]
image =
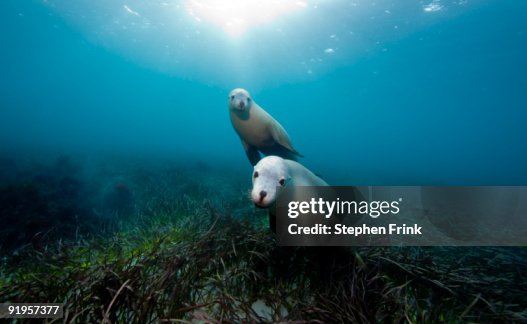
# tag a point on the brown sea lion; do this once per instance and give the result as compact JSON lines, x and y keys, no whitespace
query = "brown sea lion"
{"x":258,"y":131}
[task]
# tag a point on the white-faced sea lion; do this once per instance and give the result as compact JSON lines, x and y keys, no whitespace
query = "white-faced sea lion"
{"x":272,"y":172}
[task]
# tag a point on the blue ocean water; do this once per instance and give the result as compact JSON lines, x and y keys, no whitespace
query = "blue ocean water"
{"x":120,"y":170}
{"x":371,"y":92}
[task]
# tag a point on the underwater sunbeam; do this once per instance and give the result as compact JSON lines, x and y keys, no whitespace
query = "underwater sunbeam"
{"x":236,"y":17}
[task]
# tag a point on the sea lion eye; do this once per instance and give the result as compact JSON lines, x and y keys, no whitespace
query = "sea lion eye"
{"x":282,"y":182}
{"x":256,"y":174}
{"x":248,"y":99}
{"x":232,"y":97}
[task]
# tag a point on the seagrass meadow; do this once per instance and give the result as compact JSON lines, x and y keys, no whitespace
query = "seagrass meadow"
{"x":180,"y":248}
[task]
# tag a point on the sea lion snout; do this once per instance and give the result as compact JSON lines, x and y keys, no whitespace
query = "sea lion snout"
{"x":238,"y":104}
{"x":263,"y":193}
{"x":261,"y":197}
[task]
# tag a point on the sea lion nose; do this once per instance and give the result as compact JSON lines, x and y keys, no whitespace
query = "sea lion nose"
{"x":262,"y":194}
{"x":242,"y":104}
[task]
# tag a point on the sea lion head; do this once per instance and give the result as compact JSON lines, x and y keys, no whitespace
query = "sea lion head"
{"x":268,"y":174}
{"x":240,"y":100}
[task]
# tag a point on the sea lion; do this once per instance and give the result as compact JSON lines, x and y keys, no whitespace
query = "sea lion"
{"x":272,"y":172}
{"x":258,"y":131}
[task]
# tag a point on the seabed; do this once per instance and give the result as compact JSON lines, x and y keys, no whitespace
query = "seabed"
{"x":186,"y":245}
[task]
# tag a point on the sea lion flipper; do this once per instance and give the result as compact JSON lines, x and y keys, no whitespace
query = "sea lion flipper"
{"x":252,"y":153}
{"x":281,"y":137}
